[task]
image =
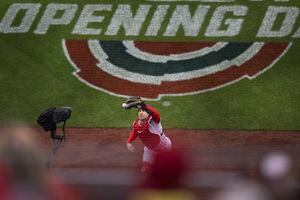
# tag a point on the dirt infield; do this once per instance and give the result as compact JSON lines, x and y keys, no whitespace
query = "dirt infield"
{"x":207,"y":150}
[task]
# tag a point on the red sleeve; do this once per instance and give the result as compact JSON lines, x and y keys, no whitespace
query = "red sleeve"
{"x":132,"y":136}
{"x":154,"y":113}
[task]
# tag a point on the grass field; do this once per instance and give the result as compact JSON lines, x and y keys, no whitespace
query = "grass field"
{"x":35,"y":74}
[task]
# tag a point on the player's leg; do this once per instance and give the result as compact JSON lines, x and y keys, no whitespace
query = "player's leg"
{"x":148,"y":158}
{"x":168,"y":144}
{"x":164,"y":145}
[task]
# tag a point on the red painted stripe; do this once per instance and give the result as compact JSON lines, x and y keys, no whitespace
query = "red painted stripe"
{"x":83,"y":58}
{"x":167,"y":48}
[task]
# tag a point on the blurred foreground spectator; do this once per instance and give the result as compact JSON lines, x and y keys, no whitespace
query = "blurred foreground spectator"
{"x":165,"y":181}
{"x":277,"y":180}
{"x":279,"y":175}
{"x":23,"y":173}
{"x":242,"y":189}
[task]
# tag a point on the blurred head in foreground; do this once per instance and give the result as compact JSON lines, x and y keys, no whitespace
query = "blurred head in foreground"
{"x":167,"y":171}
{"x":278,"y":173}
{"x":22,"y":167}
{"x":165,"y":181}
{"x":20,"y":155}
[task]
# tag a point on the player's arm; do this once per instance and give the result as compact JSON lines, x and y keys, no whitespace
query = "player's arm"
{"x":131,"y":138}
{"x":153,"y":112}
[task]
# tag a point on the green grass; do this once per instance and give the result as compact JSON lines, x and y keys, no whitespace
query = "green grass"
{"x":35,"y":74}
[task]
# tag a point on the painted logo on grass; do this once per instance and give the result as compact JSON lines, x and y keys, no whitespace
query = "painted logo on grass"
{"x":155,"y":69}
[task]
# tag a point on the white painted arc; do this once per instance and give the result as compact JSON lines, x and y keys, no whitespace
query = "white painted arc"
{"x":136,"y":52}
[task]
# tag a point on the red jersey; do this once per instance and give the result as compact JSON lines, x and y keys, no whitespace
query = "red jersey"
{"x":150,"y":131}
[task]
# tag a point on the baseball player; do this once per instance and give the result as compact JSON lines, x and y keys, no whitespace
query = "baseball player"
{"x":149,"y":129}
